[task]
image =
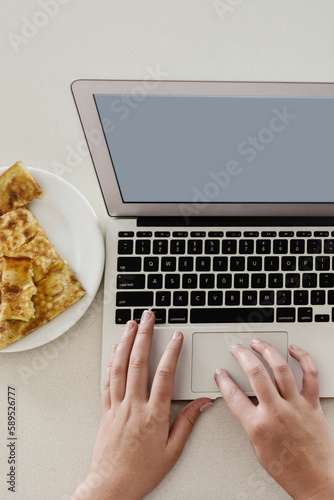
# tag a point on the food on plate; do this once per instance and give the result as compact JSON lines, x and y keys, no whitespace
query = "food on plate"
{"x":17,"y":289}
{"x":17,"y":188}
{"x":17,"y":228}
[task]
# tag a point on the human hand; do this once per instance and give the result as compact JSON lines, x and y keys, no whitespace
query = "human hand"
{"x":287,"y":429}
{"x":135,"y":448}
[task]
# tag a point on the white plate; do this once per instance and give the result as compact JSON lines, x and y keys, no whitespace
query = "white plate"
{"x":72,"y":227}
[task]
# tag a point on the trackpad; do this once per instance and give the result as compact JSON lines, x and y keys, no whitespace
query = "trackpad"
{"x":211,"y":351}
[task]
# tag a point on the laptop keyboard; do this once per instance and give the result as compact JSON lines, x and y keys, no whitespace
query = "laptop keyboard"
{"x":226,"y":277}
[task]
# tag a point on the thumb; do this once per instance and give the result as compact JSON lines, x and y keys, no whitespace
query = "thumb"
{"x":185,"y":421}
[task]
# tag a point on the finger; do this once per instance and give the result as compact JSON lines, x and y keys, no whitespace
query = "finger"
{"x":284,"y":378}
{"x":119,"y":368}
{"x":259,"y":378}
{"x":237,"y":401}
{"x":310,"y":387}
{"x":138,"y":371}
{"x":184,"y":424}
{"x":163,"y":382}
{"x":106,"y":400}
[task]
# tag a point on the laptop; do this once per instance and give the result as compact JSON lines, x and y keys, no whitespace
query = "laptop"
{"x":221,"y":205}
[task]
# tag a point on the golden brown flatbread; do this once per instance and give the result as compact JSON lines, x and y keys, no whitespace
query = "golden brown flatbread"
{"x":17,"y":289}
{"x":17,"y":188}
{"x":17,"y":228}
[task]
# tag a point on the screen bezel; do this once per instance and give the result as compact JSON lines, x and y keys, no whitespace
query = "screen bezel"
{"x":83,"y":93}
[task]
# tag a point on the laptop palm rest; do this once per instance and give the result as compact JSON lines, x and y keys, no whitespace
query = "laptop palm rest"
{"x":211,"y":351}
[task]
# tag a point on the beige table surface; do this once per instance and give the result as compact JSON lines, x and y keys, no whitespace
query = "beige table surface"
{"x":45,"y":45}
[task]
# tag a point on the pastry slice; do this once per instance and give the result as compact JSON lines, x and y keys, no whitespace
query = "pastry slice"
{"x":17,"y":289}
{"x":17,"y":228}
{"x":17,"y":188}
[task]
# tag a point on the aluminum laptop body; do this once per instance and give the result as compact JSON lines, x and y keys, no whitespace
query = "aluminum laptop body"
{"x":221,"y":205}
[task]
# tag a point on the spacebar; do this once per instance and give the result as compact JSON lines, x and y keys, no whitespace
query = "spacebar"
{"x":232,"y":315}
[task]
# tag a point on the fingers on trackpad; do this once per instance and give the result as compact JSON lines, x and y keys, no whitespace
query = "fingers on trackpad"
{"x":211,"y":351}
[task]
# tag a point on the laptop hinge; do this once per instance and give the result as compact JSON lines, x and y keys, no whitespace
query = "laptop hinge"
{"x":234,"y":221}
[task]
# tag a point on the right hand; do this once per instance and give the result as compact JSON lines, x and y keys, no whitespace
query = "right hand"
{"x":287,"y":429}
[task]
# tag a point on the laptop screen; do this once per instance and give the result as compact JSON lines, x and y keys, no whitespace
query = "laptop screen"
{"x":220,"y":149}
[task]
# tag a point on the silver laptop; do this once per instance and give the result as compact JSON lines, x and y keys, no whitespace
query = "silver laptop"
{"x":221,"y":205}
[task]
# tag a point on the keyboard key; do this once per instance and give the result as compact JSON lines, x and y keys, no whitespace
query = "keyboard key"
{"x":266,"y":298}
{"x":285,"y":314}
{"x":263,"y":246}
{"x":281,"y":246}
{"x":177,"y":247}
{"x":128,"y":299}
{"x":180,"y":234}
{"x":241,"y":281}
{"x":126,"y":234}
{"x":203,"y":263}
{"x":143,"y":247}
{"x":237,"y":263}
{"x":224,"y":280}
{"x":305,"y":314}
{"x":163,"y":298}
{"x":154,"y":281}
{"x":151,"y":263}
{"x":177,"y":316}
{"x":314,"y":246}
{"x":254,"y":263}
{"x":330,"y":297}
{"x":271,"y":263}
{"x":305,"y":263}
{"x":172,"y":281}
{"x":160,"y":316}
{"x":300,"y":297}
{"x":206,"y":280}
{"x":198,"y":234}
{"x":125,"y":247}
{"x":246,"y":246}
{"x":232,"y":298}
{"x":326,"y":280}
{"x":216,"y":234}
{"x":288,"y":263}
{"x":251,"y":234}
{"x":186,"y":263}
{"x":122,"y":316}
{"x":249,"y":298}
{"x":329,"y":246}
{"x":233,"y":234}
{"x":180,"y":298}
{"x":137,"y":313}
{"x":212,"y":246}
{"x":283,"y":297}
{"x":275,"y":280}
{"x":216,"y":298}
{"x":323,"y":318}
{"x":128,"y":264}
{"x":286,"y":234}
{"x":309,"y":280}
{"x":130,"y":281}
{"x":162,"y":234}
{"x":321,"y":234}
{"x":258,"y":280}
{"x":197,"y":298}
{"x":322,"y":263}
{"x":160,"y":246}
{"x":304,"y":234}
{"x":189,"y":281}
{"x":232,"y":315}
{"x":292,"y":280}
{"x":229,"y":247}
{"x":297,"y":246}
{"x":220,"y":263}
{"x":318,"y":297}
{"x":168,"y":263}
{"x":268,"y":234}
{"x":195,"y":246}
{"x":144,"y":234}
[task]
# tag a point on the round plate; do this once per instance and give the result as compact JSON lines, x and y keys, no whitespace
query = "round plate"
{"x":73,"y":229}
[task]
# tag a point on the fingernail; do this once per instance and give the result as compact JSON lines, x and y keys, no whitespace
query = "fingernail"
{"x":146,"y":315}
{"x":177,"y":335}
{"x":205,"y":407}
{"x":294,"y":347}
{"x":256,"y":341}
{"x":234,"y":346}
{"x":219,"y":371}
{"x":128,"y":327}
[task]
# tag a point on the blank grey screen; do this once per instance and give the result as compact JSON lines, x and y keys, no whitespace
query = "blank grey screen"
{"x":220,"y":149}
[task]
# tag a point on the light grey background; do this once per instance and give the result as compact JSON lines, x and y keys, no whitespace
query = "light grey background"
{"x":58,"y":387}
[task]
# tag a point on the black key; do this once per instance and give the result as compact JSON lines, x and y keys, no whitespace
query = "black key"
{"x":203,"y":263}
{"x":144,"y":234}
{"x":321,"y":234}
{"x":168,"y":263}
{"x":313,"y":246}
{"x":304,"y":234}
{"x":122,"y":316}
{"x":125,"y":247}
{"x":251,"y":234}
{"x":246,"y":246}
{"x":160,"y":316}
{"x":220,"y":263}
{"x":268,"y":234}
{"x":309,"y":280}
{"x":323,"y":318}
{"x":215,"y":234}
{"x":172,"y":281}
{"x":128,"y":299}
{"x":198,"y":234}
{"x":177,"y":247}
{"x":322,"y":263}
{"x":330,"y":297}
{"x":254,"y":263}
{"x":216,"y":298}
{"x":237,"y":263}
{"x":126,"y":234}
{"x":212,"y":246}
{"x":286,"y":234}
{"x":207,"y":280}
{"x":130,"y":281}
{"x":186,"y":263}
{"x":232,"y":298}
{"x":177,"y":316}
{"x":326,"y":280}
{"x":305,"y":314}
{"x":281,"y":246}
{"x":271,"y":263}
{"x":305,"y":263}
{"x":143,"y":247}
{"x":300,"y":297}
{"x":233,"y":234}
{"x":297,"y":246}
{"x":137,"y":313}
{"x":180,"y":234}
{"x":329,"y":246}
{"x":258,"y":281}
{"x":266,"y":298}
{"x":232,"y":315}
{"x":154,"y":281}
{"x":151,"y":263}
{"x":197,"y":298}
{"x":318,"y":297}
{"x":189,"y":281}
{"x":160,"y":246}
{"x":288,"y":263}
{"x":275,"y":280}
{"x":292,"y":280}
{"x":241,"y":281}
{"x":283,"y":297}
{"x":249,"y":298}
{"x":224,"y":280}
{"x":162,"y":234}
{"x":195,"y":246}
{"x":285,"y":314}
{"x":229,"y":246}
{"x":163,"y":298}
{"x":180,"y":298}
{"x":128,"y":264}
{"x":263,"y":246}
